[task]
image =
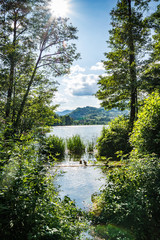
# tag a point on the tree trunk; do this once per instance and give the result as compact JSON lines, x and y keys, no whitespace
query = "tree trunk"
{"x":133,"y":76}
{"x":17,"y":121}
{"x":11,"y":76}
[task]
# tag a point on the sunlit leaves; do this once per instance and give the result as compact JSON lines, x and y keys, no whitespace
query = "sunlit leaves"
{"x":146,"y":132}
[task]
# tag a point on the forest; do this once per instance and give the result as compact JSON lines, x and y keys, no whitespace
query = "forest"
{"x":88,"y":116}
{"x":34,"y":51}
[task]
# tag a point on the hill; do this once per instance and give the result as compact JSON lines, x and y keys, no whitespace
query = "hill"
{"x":63,"y":113}
{"x":93,"y":115}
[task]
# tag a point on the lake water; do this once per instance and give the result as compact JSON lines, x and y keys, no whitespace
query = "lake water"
{"x":79,"y":182}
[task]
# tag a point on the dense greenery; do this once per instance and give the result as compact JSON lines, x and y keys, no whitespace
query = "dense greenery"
{"x":32,"y":53}
{"x":31,"y":50}
{"x":128,"y":207}
{"x":114,"y":139}
{"x":131,"y":198}
{"x":75,"y":145}
{"x":65,"y":120}
{"x":29,"y":204}
{"x":146,"y":132}
{"x":52,"y":147}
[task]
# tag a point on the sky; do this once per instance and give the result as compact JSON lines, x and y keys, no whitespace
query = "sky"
{"x":92,"y":19}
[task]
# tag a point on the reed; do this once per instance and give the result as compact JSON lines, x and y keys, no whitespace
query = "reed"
{"x":75,"y":145}
{"x":90,"y":147}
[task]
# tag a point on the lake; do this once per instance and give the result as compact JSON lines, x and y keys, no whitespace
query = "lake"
{"x":79,"y":182}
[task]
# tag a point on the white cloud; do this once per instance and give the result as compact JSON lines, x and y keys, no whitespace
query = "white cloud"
{"x":76,"y":69}
{"x":77,"y":89}
{"x":97,"y":67}
{"x":60,"y":98}
{"x":81,"y":84}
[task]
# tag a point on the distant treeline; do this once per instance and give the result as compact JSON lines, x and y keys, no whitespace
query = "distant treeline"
{"x":87,"y":116}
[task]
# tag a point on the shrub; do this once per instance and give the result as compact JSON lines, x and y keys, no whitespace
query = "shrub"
{"x":114,"y":138}
{"x":75,"y":145}
{"x":146,"y":132}
{"x":30,"y":207}
{"x":131,"y":199}
{"x":112,"y":232}
{"x":52,"y":147}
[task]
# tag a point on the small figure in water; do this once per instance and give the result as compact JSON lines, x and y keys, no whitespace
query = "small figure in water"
{"x":85,"y":162}
{"x":80,"y":161}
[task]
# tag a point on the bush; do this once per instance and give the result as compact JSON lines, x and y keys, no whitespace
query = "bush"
{"x":131,"y":199}
{"x":112,"y":232}
{"x":52,"y":147}
{"x":75,"y":145}
{"x":114,"y":138}
{"x":30,"y":207}
{"x":146,"y":132}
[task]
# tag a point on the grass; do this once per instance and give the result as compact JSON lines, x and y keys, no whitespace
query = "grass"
{"x":90,"y":147}
{"x":75,"y":145}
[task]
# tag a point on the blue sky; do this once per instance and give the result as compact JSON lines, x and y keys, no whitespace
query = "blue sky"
{"x":92,"y":19}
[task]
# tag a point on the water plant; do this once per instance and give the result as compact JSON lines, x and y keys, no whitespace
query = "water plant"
{"x":75,"y":145}
{"x":52,"y":147}
{"x":90,"y":147}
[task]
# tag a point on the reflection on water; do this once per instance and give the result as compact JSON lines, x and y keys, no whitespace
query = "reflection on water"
{"x":79,"y":182}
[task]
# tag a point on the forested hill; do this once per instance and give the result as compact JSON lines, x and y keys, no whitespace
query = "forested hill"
{"x":92,"y":115}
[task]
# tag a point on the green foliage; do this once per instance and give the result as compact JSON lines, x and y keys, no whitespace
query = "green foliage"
{"x":146,"y":132}
{"x":30,"y":46}
{"x":112,"y":232}
{"x":29,"y":204}
{"x":75,"y":145}
{"x":52,"y":147}
{"x":65,"y":120}
{"x":114,"y":138}
{"x":151,"y":73}
{"x":131,"y":199}
{"x":128,"y":37}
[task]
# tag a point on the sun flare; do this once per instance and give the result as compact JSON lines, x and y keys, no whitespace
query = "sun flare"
{"x":60,"y":8}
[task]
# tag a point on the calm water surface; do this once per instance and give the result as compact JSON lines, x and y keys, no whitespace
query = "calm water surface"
{"x":79,"y":182}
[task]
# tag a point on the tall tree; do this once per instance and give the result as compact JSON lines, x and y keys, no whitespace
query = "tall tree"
{"x":151,"y":74}
{"x":34,"y":44}
{"x":128,"y":38}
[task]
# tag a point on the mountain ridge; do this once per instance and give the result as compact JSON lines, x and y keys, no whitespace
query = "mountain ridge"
{"x":92,"y":115}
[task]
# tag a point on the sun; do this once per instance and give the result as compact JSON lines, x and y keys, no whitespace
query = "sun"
{"x":60,"y":8}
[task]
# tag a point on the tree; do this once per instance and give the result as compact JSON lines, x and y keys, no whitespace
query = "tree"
{"x":128,"y":38}
{"x":151,"y":73}
{"x":34,"y":46}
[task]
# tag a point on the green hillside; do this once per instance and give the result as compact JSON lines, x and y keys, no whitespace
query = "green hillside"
{"x":92,"y":115}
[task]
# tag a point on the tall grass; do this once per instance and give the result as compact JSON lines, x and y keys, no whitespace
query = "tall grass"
{"x":90,"y":147}
{"x":75,"y":145}
{"x":52,"y":147}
